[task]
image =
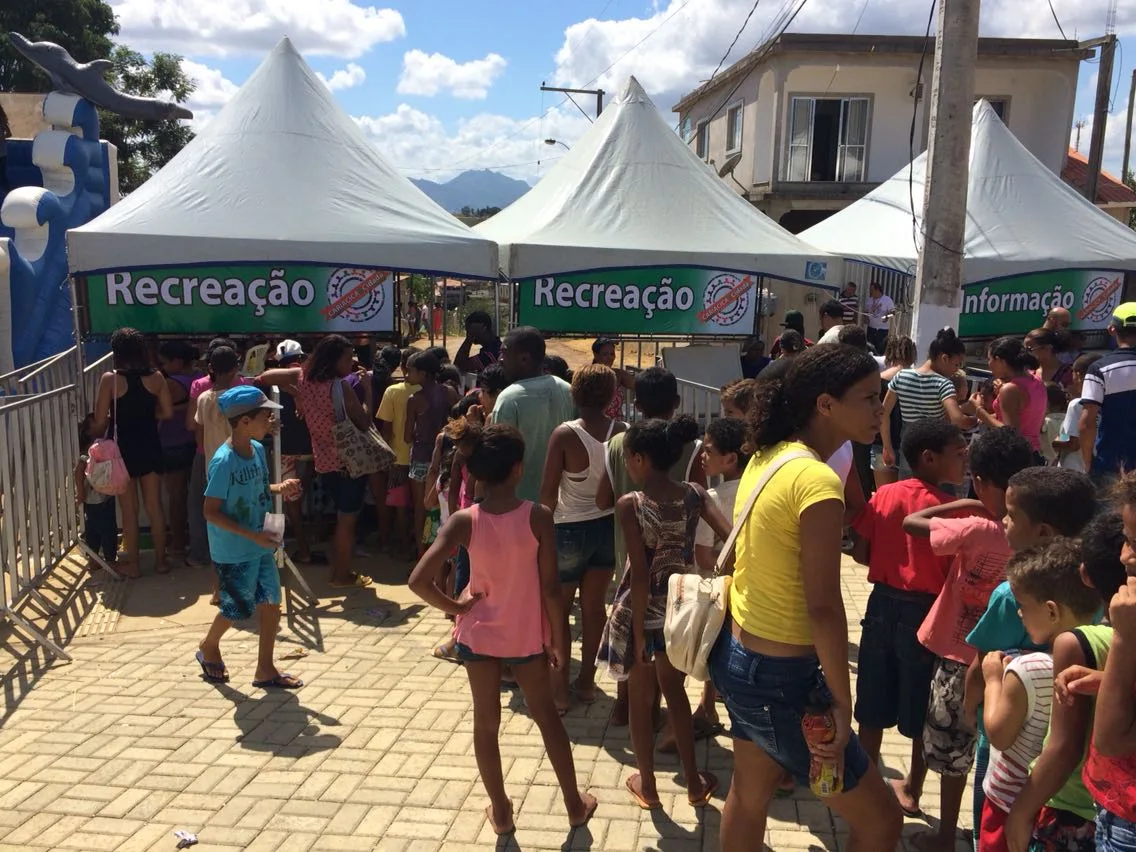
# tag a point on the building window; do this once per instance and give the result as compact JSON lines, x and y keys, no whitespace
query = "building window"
{"x":1001,"y":106}
{"x":828,"y":140}
{"x":702,"y":140}
{"x":685,"y":129}
{"x":734,"y":128}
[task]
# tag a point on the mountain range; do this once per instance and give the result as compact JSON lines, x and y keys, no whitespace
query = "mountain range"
{"x":474,"y":189}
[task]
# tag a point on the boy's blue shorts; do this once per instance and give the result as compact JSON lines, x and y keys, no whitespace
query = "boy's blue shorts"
{"x":245,"y":585}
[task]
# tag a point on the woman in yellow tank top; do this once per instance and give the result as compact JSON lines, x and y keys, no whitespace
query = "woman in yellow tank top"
{"x":785,"y":644}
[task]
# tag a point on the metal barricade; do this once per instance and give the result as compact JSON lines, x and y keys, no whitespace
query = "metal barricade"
{"x":89,"y":387}
{"x":42,"y":376}
{"x":702,"y":402}
{"x":40,"y":523}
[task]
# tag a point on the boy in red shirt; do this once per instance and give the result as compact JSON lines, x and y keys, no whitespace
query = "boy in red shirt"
{"x":974,"y":538}
{"x":894,"y":670}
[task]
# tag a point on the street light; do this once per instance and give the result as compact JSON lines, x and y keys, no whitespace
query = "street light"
{"x":556,"y":142}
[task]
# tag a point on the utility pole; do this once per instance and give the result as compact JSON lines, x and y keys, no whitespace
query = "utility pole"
{"x":938,"y":279}
{"x":599,"y":93}
{"x":1100,"y":115}
{"x":1128,"y":128}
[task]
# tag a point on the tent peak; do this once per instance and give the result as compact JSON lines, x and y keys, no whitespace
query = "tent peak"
{"x":632,"y":92}
{"x":285,"y":46}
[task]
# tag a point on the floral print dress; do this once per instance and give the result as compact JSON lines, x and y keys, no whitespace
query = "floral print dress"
{"x":668,"y":531}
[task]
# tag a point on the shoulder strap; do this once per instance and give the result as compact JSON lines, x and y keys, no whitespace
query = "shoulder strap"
{"x":743,"y":516}
{"x":338,"y":406}
{"x":693,"y":456}
{"x":610,"y":429}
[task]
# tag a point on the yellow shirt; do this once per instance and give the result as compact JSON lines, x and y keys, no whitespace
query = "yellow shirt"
{"x":767,"y":598}
{"x":392,"y":409}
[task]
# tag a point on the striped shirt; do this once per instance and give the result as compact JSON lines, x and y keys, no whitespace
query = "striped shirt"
{"x":1009,"y":769}
{"x":851,"y":305}
{"x":1111,"y":385}
{"x":921,"y":395}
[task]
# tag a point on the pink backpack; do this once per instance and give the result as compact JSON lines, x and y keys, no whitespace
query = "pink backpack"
{"x":106,"y":471}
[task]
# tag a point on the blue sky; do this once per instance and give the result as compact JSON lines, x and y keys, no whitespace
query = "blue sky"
{"x":446,"y":85}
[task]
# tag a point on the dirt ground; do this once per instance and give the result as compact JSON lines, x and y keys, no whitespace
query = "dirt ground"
{"x":578,"y":351}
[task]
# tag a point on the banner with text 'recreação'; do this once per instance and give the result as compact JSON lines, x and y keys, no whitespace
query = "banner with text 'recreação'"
{"x":644,"y":300}
{"x":242,"y":298}
{"x":1018,"y":305}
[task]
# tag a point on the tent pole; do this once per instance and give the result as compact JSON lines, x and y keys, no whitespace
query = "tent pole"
{"x":85,"y":405}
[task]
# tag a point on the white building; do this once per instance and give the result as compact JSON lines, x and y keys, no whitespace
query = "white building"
{"x":806,"y":124}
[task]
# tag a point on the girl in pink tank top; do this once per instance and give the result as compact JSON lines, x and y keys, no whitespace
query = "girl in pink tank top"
{"x":509,"y":614}
{"x":1022,"y":400}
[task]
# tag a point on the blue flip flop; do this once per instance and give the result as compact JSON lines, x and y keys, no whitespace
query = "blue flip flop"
{"x":281,"y":681}
{"x":214,"y":672}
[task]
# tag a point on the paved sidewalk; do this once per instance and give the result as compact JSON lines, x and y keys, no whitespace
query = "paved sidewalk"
{"x":127,"y":744}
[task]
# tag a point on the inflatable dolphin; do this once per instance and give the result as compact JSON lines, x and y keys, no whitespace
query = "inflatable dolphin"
{"x":86,"y":80}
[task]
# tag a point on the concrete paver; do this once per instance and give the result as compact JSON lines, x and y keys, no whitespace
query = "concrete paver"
{"x":127,"y":744}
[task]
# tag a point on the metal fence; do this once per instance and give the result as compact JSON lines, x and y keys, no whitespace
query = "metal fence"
{"x":42,"y":376}
{"x":40,"y":523}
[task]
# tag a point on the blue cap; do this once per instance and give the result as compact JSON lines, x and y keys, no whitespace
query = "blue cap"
{"x":244,"y":399}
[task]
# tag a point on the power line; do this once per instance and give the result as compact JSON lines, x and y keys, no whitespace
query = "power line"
{"x":733,"y":43}
{"x":768,"y":46}
{"x":917,"y":96}
{"x":637,"y":44}
{"x":1057,"y":21}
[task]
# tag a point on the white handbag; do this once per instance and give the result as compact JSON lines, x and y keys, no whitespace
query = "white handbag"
{"x":696,"y":605}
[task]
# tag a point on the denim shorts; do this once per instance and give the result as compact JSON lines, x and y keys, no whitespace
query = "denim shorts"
{"x":766,"y":698}
{"x":242,"y":586}
{"x":894,"y":670}
{"x":468,"y":655}
{"x":582,"y":545}
{"x":418,"y":471}
{"x":878,"y":459}
{"x":1114,"y":834}
{"x":345,"y":493}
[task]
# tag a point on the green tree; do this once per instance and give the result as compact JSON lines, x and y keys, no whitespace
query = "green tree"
{"x":85,"y":28}
{"x":146,"y":146}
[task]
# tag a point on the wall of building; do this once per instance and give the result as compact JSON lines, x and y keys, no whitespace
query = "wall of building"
{"x":1040,"y":93}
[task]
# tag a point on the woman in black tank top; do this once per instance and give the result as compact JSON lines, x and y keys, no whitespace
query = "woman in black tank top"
{"x":130,"y":402}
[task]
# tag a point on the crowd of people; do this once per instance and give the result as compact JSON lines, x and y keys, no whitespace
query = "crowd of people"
{"x":998,"y":528}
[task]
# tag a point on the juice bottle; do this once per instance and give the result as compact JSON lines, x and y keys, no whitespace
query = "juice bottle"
{"x":819,"y":727}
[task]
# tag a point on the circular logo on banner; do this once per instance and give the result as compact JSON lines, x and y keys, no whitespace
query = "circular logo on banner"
{"x":724,"y":301}
{"x":357,"y":295}
{"x":1102,"y":295}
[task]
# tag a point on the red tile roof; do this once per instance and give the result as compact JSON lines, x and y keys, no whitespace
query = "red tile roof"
{"x":1109,"y":189}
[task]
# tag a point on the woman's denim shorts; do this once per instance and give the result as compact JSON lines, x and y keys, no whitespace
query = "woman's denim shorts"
{"x":766,"y":698}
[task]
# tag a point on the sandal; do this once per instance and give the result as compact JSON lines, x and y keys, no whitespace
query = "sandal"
{"x":638,"y":795}
{"x":214,"y":672}
{"x":445,"y":651}
{"x":498,"y":830}
{"x":711,"y":782}
{"x":280,"y":681}
{"x":357,"y":581}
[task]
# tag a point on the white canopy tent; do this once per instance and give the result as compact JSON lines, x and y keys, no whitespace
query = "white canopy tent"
{"x":631,"y":193}
{"x":281,"y":174}
{"x":1021,"y":217}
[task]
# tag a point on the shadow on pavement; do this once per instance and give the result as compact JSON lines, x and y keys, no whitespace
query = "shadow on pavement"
{"x":276,"y":720}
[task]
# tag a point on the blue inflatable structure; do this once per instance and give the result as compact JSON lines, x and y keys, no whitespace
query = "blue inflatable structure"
{"x":61,"y":179}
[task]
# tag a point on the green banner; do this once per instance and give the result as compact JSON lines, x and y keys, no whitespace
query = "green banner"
{"x":1019,"y":305}
{"x":239,"y":298}
{"x":647,"y":300}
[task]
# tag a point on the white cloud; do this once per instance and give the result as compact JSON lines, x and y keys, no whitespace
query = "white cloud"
{"x":421,"y":145}
{"x":345,"y":78}
{"x":227,"y":27}
{"x":213,"y":91}
{"x":430,"y":73}
{"x":1113,"y":137}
